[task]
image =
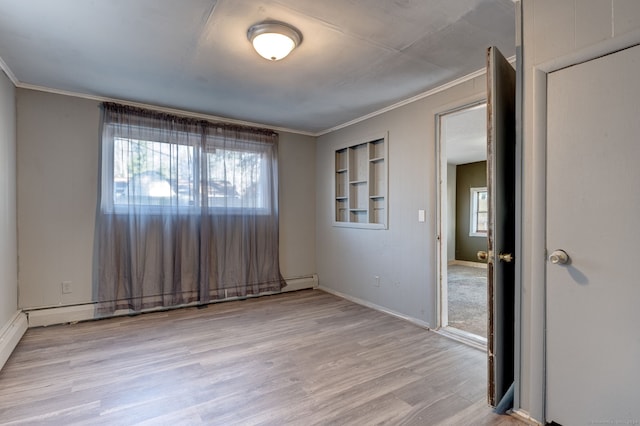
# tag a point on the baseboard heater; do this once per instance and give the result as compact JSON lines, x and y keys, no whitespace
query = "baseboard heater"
{"x":83,"y":312}
{"x":301,"y":283}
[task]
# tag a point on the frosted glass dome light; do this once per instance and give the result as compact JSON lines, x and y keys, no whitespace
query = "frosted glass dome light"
{"x":274,"y":40}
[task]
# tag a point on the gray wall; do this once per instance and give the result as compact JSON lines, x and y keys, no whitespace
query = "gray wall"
{"x":451,"y":212}
{"x":8,"y":243}
{"x":57,"y":198}
{"x":472,"y":175}
{"x":297,"y":171}
{"x":57,"y":184}
{"x":404,"y":255}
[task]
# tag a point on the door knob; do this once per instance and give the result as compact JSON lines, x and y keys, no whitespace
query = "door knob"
{"x":559,"y":257}
{"x":506,"y":257}
{"x":482,"y":255}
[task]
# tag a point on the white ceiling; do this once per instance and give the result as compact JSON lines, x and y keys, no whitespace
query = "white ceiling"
{"x":357,"y":56}
{"x":465,"y":135}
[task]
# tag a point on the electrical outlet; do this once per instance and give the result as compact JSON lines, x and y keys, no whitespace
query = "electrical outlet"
{"x":376,"y":281}
{"x":66,"y":287}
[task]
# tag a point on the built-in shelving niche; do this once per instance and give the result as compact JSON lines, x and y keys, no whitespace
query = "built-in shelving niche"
{"x":361,"y":198}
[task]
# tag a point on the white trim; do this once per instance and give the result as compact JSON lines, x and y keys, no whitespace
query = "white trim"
{"x":378,"y":308}
{"x":4,"y":67}
{"x":51,"y":315}
{"x":538,"y":385}
{"x":537,"y":243}
{"x":361,"y":225}
{"x":525,"y":417}
{"x":441,"y":308}
{"x":465,"y":337}
{"x":415,"y":98}
{"x":10,"y":335}
{"x":174,"y":111}
{"x":479,"y":265}
{"x":519,"y":196}
{"x":186,"y":113}
{"x":346,"y":147}
{"x":61,"y":315}
{"x":605,"y":47}
{"x":301,"y":283}
{"x":442,"y":227}
{"x":473,"y":213}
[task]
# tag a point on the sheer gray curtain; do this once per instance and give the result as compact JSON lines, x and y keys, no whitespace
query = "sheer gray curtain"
{"x":188,"y":210}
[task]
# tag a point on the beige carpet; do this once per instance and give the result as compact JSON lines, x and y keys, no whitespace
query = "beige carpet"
{"x":467,"y":288}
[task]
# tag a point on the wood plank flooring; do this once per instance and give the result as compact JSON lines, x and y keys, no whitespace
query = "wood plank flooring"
{"x":302,"y":358}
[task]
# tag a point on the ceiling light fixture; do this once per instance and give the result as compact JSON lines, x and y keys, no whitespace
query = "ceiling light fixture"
{"x":274,"y":40}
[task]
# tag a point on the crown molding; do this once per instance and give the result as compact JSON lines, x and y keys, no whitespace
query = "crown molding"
{"x":415,"y":98}
{"x":392,"y":107}
{"x":4,"y":67}
{"x":174,"y":111}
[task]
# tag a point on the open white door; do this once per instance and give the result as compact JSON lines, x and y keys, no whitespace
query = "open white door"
{"x":593,"y":215}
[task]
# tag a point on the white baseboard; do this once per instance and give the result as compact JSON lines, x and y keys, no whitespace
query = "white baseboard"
{"x":11,"y":334}
{"x":368,"y":304}
{"x":464,"y":337}
{"x":467,"y":263}
{"x":66,"y":314}
{"x":60,"y":315}
{"x":525,"y":417}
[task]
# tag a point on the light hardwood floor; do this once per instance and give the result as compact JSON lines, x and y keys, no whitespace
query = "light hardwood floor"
{"x":302,"y":358}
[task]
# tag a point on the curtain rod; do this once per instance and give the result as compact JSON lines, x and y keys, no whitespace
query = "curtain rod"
{"x":116,"y":107}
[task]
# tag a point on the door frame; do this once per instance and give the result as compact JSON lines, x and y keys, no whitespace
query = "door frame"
{"x":441,"y":228}
{"x":537,"y":187}
{"x":441,"y":245}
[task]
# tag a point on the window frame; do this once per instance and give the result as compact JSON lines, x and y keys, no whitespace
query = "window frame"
{"x":208,"y":144}
{"x":473,"y":211}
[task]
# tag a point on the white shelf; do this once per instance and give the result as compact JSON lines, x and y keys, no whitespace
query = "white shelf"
{"x":361,"y":184}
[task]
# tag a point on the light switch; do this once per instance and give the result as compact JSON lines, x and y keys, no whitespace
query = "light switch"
{"x":421,"y":216}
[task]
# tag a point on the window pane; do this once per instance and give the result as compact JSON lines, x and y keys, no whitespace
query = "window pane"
{"x":235,"y":179}
{"x":482,"y":201}
{"x":482,"y":222}
{"x":152,"y":173}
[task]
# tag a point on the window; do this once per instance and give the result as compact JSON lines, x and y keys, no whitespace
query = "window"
{"x":189,"y":210}
{"x":180,"y":174}
{"x":152,"y":173}
{"x":479,"y":212}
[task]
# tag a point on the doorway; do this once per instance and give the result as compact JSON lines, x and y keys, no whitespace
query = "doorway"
{"x":463,"y":222}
